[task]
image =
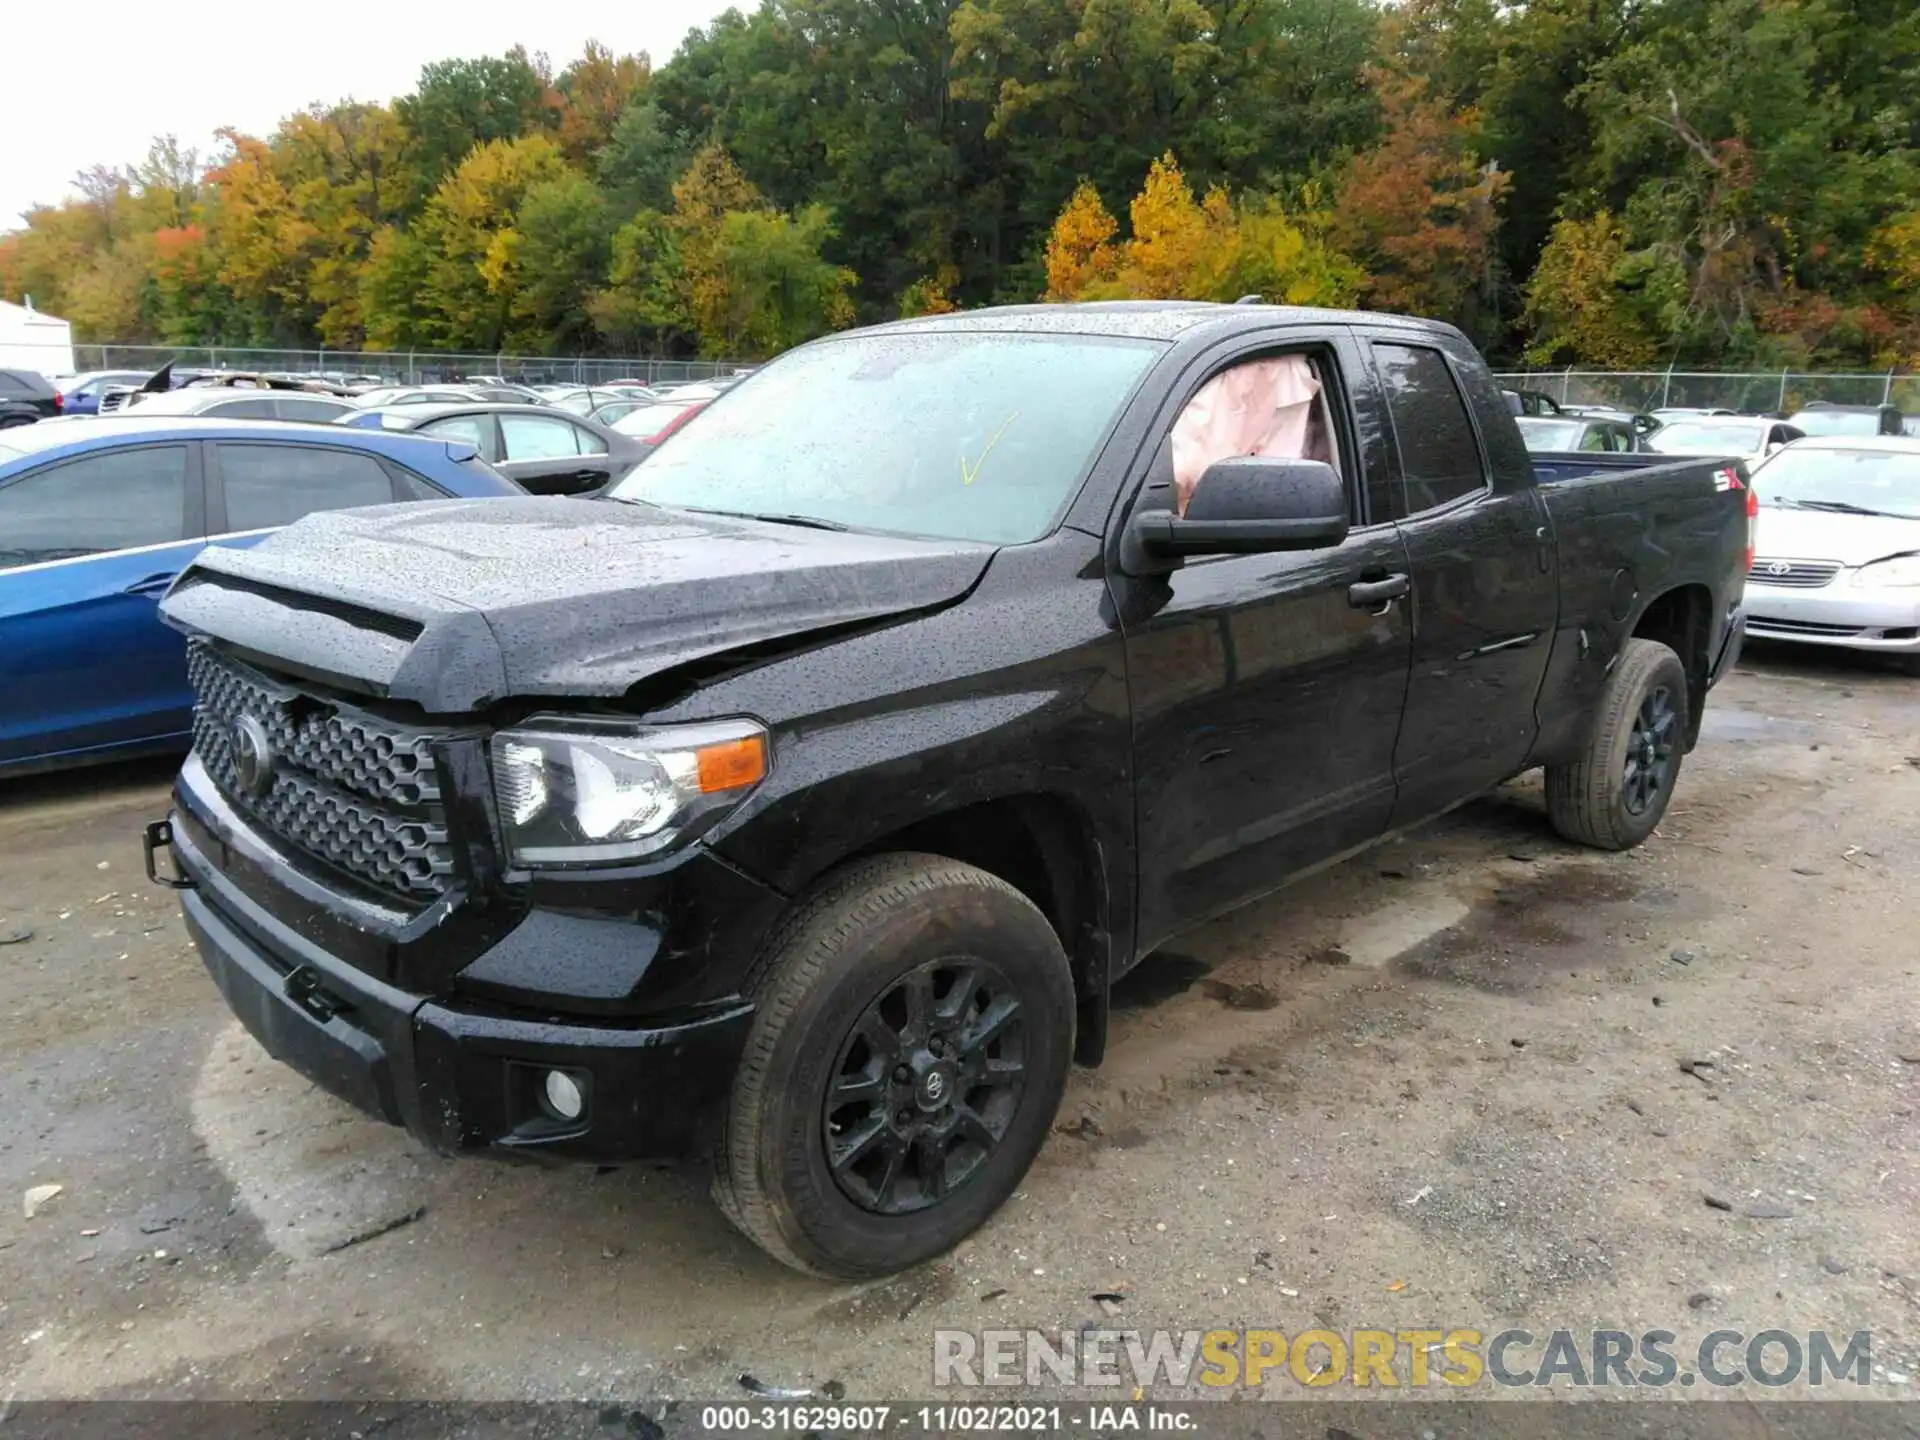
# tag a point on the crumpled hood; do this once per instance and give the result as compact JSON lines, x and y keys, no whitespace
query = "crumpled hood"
{"x":1787,"y":534}
{"x":455,"y":605}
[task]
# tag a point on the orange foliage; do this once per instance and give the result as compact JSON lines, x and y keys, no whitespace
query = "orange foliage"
{"x":1080,"y":249}
{"x":1418,"y":211}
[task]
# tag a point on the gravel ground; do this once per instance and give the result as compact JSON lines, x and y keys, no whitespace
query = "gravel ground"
{"x":1475,"y":1079}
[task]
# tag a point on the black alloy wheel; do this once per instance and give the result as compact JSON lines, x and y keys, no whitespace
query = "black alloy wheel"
{"x":927,"y":1082}
{"x":1649,"y":767}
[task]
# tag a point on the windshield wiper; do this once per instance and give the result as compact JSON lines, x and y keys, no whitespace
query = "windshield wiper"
{"x":809,"y":522}
{"x":1841,"y":507}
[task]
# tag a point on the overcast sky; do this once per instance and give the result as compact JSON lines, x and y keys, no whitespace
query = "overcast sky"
{"x":93,"y":84}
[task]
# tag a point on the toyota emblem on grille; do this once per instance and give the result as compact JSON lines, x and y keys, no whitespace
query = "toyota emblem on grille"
{"x":253,"y":756}
{"x":1779,"y":567}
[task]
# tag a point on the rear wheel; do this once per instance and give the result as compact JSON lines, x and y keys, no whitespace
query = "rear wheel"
{"x":1614,"y":795}
{"x":912,"y":1040}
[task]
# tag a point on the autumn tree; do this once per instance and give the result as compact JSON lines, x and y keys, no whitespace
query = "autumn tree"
{"x":1182,"y":248}
{"x":1080,"y":247}
{"x":1419,"y":210}
{"x":1578,"y":305}
{"x":470,"y":231}
{"x":595,"y":92}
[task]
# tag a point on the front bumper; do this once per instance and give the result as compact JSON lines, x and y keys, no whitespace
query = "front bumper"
{"x":461,"y":1078}
{"x":1856,"y":617}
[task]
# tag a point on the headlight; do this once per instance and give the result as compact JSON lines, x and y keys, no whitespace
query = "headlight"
{"x":1901,"y":570}
{"x":587,"y":792}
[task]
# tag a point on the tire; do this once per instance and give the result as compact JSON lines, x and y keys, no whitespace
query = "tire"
{"x":835,"y":994}
{"x":1595,"y":800}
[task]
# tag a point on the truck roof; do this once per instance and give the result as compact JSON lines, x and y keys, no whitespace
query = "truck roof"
{"x":1142,"y":319}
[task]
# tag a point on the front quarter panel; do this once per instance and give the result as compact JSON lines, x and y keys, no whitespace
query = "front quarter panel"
{"x":1018,"y":690}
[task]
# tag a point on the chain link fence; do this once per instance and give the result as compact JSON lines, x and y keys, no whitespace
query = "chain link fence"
{"x":1757,"y":392}
{"x":393,"y":367}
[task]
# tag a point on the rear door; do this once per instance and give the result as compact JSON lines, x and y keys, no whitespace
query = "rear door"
{"x":550,"y":455}
{"x":1485,"y":595}
{"x":87,"y":546}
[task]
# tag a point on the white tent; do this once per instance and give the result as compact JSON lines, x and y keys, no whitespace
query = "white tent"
{"x":32,"y":341}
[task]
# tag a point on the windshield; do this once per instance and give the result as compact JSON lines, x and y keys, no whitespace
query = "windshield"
{"x":1710,"y":437}
{"x":1837,"y":422}
{"x":1881,"y":482}
{"x":956,"y":435}
{"x":1551,"y":434}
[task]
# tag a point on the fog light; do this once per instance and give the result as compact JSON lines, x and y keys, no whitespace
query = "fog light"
{"x":564,"y":1097}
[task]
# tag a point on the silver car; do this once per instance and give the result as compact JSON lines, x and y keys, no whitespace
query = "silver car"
{"x":1752,"y":438}
{"x":1837,"y":557}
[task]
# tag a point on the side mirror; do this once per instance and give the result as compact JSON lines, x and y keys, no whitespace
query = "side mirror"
{"x":1248,"y":505}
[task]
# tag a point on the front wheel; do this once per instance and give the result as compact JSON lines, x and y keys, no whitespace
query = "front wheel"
{"x":912,"y":1040}
{"x":1613,"y":796}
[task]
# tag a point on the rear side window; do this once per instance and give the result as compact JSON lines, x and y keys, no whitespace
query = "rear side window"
{"x":310,"y":408}
{"x":258,"y":408}
{"x":1439,"y":454}
{"x":538,"y":437}
{"x":118,"y":500}
{"x":273,"y":485}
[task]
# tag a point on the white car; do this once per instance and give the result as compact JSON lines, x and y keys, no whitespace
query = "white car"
{"x":1837,"y":557}
{"x":1750,"y":437}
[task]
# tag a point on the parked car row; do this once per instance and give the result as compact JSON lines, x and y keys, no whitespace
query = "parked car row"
{"x":99,"y":513}
{"x":97,"y":518}
{"x":1837,"y":561}
{"x":27,"y":397}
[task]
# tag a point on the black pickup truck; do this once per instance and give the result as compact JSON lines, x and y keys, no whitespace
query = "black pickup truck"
{"x":798,"y":802}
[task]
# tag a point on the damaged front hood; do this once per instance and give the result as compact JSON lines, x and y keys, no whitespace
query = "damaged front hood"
{"x":454,"y":606}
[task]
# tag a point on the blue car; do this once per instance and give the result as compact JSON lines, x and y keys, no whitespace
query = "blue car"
{"x":80,"y":394}
{"x":98,"y":516}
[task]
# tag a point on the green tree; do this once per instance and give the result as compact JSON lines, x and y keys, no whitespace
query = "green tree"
{"x":565,"y":242}
{"x":637,"y":166}
{"x":774,"y":288}
{"x":461,"y":104}
{"x":643,"y":305}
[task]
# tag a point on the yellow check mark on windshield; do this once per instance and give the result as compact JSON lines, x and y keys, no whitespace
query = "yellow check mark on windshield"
{"x":968,"y":473}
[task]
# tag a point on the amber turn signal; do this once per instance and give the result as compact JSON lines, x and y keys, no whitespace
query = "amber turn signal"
{"x":732,"y":764}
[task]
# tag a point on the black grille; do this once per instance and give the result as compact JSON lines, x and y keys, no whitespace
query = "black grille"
{"x":1796,"y":574}
{"x":359,"y":793}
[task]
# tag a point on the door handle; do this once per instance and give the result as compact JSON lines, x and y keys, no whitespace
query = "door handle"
{"x":1377,"y":595}
{"x":153,"y":584}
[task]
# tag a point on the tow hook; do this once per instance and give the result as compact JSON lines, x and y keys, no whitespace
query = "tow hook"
{"x":158,"y":836}
{"x":302,"y":986}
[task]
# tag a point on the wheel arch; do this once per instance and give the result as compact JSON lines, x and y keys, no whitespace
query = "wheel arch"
{"x":1046,"y":846}
{"x":1681,"y":618}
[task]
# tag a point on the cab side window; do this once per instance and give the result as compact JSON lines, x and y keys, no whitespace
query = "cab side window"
{"x":118,"y":500}
{"x":1440,"y":459}
{"x":1274,"y":406}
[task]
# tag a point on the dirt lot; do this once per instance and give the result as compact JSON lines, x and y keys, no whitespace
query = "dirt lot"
{"x":1441,"y":1085}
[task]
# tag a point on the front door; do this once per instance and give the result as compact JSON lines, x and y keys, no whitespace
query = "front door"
{"x":87,"y":546}
{"x":1266,"y":699}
